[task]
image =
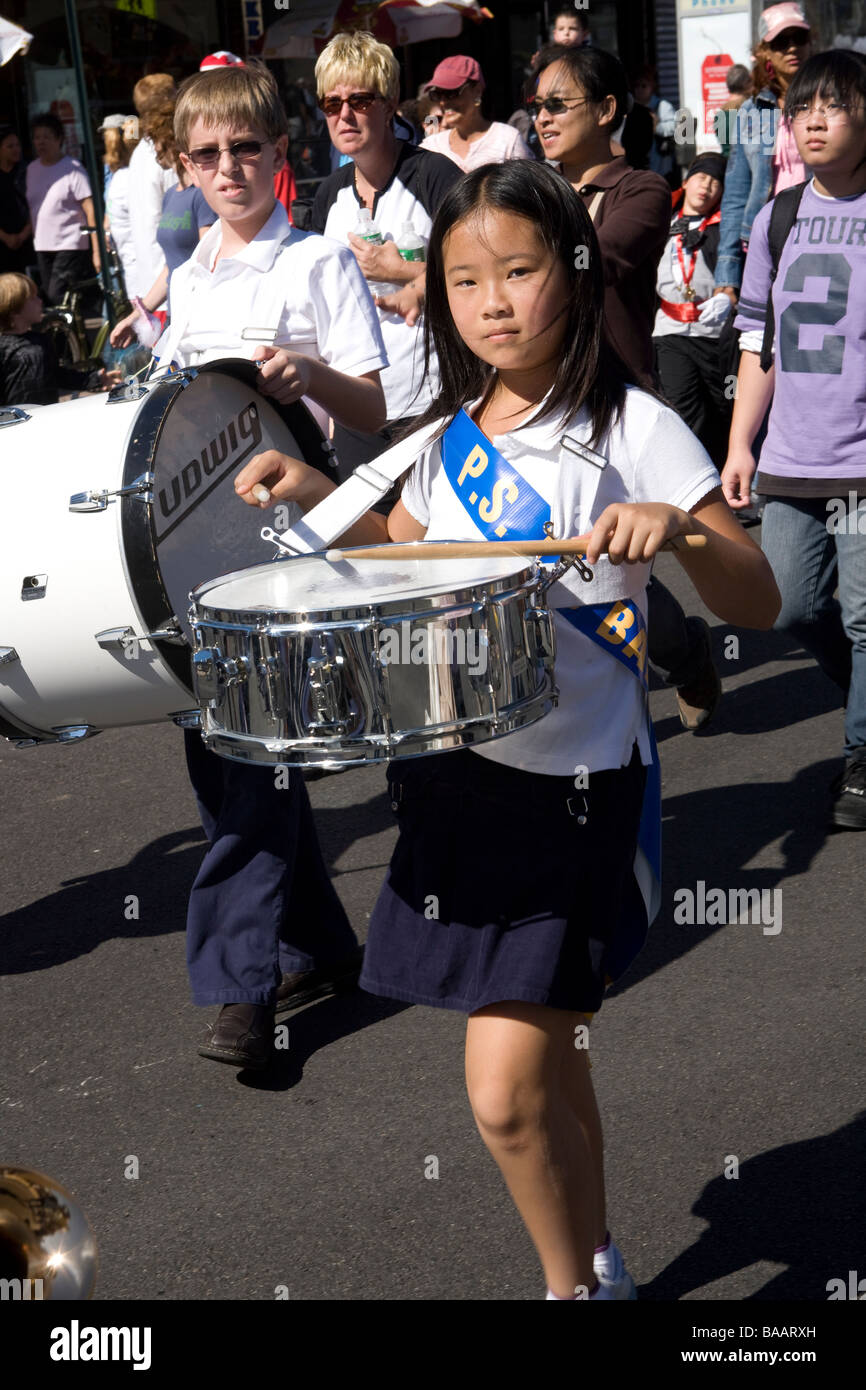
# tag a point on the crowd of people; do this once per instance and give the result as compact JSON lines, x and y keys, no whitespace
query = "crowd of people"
{"x":568,"y":298}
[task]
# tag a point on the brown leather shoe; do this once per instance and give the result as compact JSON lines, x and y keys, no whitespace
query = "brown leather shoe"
{"x":305,"y":985}
{"x":697,"y":700}
{"x":243,"y":1035}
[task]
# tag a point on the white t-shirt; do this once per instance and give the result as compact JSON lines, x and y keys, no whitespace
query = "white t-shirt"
{"x":652,"y":457}
{"x":117,"y":208}
{"x":292,"y":289}
{"x":148,"y":182}
{"x":497,"y":144}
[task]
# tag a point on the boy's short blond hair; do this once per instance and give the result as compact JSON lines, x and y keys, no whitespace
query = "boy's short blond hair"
{"x":15,"y":290}
{"x":358,"y":58}
{"x":232,"y":97}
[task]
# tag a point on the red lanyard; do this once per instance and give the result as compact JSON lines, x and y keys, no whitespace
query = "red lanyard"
{"x":688,"y":274}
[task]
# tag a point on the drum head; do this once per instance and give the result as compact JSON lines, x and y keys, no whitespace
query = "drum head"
{"x":194,"y":439}
{"x":309,"y":584}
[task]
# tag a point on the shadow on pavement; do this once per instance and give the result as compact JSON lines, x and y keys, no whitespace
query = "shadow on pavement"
{"x":762,"y":706}
{"x":794,"y":1205}
{"x":90,"y":909}
{"x":314,"y":1027}
{"x":712,"y":834}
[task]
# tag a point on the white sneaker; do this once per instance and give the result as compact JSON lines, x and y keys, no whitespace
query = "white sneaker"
{"x":612,"y":1275}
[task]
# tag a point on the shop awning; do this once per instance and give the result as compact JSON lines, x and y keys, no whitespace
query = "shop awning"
{"x":12,"y":40}
{"x":302,"y":34}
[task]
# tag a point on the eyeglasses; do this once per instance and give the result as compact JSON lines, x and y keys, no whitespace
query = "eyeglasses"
{"x":358,"y":101}
{"x":243,"y":151}
{"x":555,"y":105}
{"x":447,"y":98}
{"x":833,"y":111}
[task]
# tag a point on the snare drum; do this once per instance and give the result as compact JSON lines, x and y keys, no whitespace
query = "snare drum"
{"x":303,"y":661}
{"x":114,"y":508}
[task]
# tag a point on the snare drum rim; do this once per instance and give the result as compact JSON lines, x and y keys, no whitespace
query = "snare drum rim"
{"x":259,"y":619}
{"x":138,"y":536}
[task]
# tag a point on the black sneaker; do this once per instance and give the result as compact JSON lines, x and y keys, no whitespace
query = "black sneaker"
{"x":849,"y":808}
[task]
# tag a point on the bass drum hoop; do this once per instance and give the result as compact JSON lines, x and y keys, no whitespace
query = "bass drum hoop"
{"x":136,"y":521}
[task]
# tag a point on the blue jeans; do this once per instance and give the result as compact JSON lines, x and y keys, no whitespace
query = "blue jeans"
{"x":262,"y":903}
{"x":810,"y":556}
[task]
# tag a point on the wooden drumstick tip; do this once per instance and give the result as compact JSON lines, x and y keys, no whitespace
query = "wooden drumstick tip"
{"x":261,"y":493}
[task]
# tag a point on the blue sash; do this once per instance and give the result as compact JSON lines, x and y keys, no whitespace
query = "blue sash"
{"x":502,"y":504}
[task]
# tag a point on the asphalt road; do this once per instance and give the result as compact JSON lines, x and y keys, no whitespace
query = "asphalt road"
{"x":723,"y":1042}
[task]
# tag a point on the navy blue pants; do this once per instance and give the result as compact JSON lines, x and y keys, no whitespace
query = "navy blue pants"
{"x":262,"y":902}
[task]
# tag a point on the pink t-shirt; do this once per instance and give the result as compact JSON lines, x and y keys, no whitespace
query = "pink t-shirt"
{"x":54,"y":194}
{"x":498,"y":143}
{"x":788,"y":167}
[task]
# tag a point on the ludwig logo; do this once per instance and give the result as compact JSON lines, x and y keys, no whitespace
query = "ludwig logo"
{"x":198,"y":477}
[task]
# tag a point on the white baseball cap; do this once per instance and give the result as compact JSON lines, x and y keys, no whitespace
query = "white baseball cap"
{"x":777,"y":18}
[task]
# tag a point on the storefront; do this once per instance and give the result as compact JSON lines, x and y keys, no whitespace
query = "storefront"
{"x":120,"y":41}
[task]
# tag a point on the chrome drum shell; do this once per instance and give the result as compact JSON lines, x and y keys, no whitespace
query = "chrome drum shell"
{"x":426,"y":655}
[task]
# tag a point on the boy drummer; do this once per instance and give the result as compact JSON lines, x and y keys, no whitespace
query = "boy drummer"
{"x":263,"y":917}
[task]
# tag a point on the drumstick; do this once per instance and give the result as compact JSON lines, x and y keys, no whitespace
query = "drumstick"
{"x":470,"y":550}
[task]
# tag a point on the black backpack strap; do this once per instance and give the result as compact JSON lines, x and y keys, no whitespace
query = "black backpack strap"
{"x":782,"y":218}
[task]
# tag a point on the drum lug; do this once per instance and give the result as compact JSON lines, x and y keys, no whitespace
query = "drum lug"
{"x":33,"y":586}
{"x":8,"y":655}
{"x":538,"y":622}
{"x":270,"y":688}
{"x":98,"y":501}
{"x":212,"y":674}
{"x":326,"y":689}
{"x":15,"y":416}
{"x":484,"y":620}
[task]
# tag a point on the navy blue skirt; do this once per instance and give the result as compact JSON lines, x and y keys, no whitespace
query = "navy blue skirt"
{"x":497,"y":891}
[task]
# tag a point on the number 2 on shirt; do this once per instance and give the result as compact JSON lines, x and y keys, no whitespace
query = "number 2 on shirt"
{"x":827,"y":358}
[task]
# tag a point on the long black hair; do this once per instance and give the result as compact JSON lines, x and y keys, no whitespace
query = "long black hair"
{"x":590,"y":373}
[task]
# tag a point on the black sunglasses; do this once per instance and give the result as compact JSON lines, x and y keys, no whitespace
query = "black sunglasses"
{"x":555,"y":105}
{"x":358,"y":101}
{"x":244,"y":151}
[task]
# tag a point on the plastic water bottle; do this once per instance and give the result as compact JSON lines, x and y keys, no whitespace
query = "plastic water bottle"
{"x":369,"y":232}
{"x":411,"y":246}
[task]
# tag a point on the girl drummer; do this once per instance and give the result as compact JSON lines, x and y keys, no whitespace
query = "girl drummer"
{"x":518,"y":889}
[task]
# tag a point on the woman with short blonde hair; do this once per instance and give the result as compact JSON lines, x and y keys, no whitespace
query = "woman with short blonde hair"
{"x":359,"y":58}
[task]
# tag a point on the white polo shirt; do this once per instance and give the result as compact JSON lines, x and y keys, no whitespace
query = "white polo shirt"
{"x":285,"y":288}
{"x":652,"y":456}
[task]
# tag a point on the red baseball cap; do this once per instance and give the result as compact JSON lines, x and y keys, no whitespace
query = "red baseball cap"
{"x":221,"y":59}
{"x":451,"y":73}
